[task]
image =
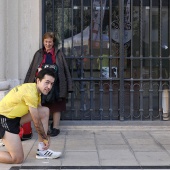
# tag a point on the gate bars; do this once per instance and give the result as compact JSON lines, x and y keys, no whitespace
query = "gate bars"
{"x":137,"y":86}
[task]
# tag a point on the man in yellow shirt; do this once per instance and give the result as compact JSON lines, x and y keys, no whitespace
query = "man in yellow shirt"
{"x":21,"y":105}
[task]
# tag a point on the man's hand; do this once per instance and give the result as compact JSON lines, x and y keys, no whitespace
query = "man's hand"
{"x":46,"y":143}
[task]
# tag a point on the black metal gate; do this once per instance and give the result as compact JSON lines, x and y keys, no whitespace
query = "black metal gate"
{"x":118,"y":54}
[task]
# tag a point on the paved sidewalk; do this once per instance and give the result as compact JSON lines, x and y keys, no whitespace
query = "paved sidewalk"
{"x":103,"y":145}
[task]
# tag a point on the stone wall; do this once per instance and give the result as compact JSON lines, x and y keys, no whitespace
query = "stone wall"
{"x":20,"y":31}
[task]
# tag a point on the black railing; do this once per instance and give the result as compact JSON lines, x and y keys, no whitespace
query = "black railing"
{"x":119,"y":56}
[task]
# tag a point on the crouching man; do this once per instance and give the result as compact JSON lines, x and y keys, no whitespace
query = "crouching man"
{"x":21,"y":105}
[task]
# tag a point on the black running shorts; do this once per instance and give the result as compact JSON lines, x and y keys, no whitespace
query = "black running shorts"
{"x":10,"y":125}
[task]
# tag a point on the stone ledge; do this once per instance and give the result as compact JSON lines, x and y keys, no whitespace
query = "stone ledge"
{"x":4,"y":85}
{"x":3,"y":93}
{"x":116,"y":125}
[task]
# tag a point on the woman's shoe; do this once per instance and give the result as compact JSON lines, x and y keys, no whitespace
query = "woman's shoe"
{"x":54,"y":132}
{"x":51,"y":126}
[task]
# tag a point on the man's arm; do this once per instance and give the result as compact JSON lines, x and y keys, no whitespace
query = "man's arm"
{"x":37,"y":123}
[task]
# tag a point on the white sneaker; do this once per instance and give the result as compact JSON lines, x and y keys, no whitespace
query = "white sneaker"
{"x":47,"y":154}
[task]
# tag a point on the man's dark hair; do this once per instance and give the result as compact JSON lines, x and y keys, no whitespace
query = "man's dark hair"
{"x":46,"y":71}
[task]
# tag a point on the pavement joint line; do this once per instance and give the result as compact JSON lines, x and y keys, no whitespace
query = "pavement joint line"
{"x":89,"y":167}
{"x":96,"y":145}
{"x":158,"y":143}
{"x":130,"y":148}
{"x":114,"y":128}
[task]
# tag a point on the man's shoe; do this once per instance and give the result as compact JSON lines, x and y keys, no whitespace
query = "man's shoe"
{"x":54,"y":132}
{"x":47,"y":154}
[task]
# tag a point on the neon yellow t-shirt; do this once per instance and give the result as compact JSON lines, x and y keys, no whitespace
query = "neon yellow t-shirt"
{"x":16,"y":103}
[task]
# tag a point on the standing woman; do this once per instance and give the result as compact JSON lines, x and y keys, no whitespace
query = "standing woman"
{"x":46,"y":56}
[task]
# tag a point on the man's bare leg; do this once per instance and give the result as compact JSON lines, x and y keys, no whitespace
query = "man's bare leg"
{"x":44,"y":116}
{"x":14,"y":153}
{"x":41,"y":150}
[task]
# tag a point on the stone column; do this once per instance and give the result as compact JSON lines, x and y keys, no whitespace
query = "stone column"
{"x":3,"y":26}
{"x":13,"y":43}
{"x":29,"y":33}
{"x":4,"y":85}
{"x":20,"y":31}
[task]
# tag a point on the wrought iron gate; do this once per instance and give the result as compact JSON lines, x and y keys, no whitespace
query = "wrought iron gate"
{"x":118,"y":54}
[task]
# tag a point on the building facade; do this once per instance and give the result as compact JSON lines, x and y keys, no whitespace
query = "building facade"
{"x":20,"y":30}
{"x":117,"y":51}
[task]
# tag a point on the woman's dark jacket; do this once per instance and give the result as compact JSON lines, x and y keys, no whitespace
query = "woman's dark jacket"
{"x":65,"y":81}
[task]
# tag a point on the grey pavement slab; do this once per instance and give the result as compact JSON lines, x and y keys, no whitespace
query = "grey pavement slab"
{"x":167,"y":147}
{"x":153,"y":158}
{"x":109,"y":138}
{"x":76,"y":158}
{"x":103,"y":145}
{"x":118,"y":158}
{"x":80,"y":145}
{"x":146,"y":148}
